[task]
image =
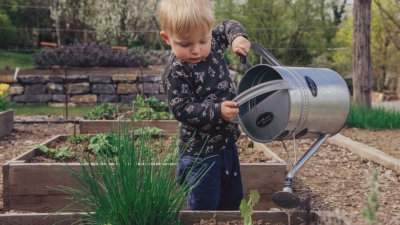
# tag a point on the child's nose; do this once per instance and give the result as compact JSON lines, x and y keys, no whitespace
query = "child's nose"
{"x":195,"y":49}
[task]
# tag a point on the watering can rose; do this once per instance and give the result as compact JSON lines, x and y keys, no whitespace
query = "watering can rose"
{"x":3,"y":104}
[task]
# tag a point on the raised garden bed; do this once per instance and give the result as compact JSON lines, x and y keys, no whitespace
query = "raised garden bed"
{"x":6,"y":122}
{"x":26,"y":185}
{"x":191,"y":217}
{"x":104,"y":126}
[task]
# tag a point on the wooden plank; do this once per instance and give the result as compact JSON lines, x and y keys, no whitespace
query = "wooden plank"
{"x":6,"y":200}
{"x":104,"y":126}
{"x":186,"y":217}
{"x":18,"y":161}
{"x":263,"y":176}
{"x":38,"y":179}
{"x":7,"y":122}
{"x":39,"y":218}
{"x":366,"y":152}
{"x":39,"y":203}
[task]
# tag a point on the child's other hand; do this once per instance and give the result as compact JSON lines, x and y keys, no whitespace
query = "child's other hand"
{"x":229,"y":110}
{"x":240,"y":45}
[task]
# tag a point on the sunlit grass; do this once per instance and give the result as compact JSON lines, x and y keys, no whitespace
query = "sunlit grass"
{"x":48,"y":110}
{"x":375,"y":118}
{"x":14,"y":59}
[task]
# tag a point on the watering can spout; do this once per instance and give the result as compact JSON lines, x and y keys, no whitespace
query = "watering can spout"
{"x":285,"y":198}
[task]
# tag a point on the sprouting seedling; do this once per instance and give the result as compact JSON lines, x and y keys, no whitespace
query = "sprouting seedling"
{"x":372,"y":205}
{"x":148,"y":131}
{"x":246,"y":209}
{"x":54,"y":153}
{"x":306,"y":207}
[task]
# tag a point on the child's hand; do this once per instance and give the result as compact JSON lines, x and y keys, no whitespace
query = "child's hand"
{"x":229,"y":110}
{"x":240,"y":45}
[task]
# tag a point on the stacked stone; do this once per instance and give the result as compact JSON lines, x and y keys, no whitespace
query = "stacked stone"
{"x":82,"y":89}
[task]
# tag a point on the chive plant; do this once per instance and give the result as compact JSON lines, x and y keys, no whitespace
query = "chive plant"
{"x":129,"y":186}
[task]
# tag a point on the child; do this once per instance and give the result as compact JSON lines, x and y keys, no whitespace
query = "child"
{"x":199,"y":89}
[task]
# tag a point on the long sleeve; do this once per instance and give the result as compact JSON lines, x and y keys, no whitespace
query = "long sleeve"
{"x":195,"y":92}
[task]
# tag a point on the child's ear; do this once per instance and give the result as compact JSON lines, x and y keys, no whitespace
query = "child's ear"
{"x":164,"y":35}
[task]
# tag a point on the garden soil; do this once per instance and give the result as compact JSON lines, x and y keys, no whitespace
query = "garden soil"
{"x":335,"y":178}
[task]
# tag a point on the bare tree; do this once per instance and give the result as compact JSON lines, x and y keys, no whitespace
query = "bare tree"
{"x":362,"y":53}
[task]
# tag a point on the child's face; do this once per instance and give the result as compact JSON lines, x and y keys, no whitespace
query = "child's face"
{"x":192,"y":49}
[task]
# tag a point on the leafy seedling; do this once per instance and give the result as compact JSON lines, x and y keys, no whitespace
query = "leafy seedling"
{"x":75,"y":139}
{"x":54,"y":153}
{"x":148,"y":131}
{"x":102,"y":142}
{"x":105,"y":111}
{"x":372,"y":205}
{"x":246,"y":209}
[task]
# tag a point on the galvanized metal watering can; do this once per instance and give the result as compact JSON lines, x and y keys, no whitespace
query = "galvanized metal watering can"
{"x":278,"y":102}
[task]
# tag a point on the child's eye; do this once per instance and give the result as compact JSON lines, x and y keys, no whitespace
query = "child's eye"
{"x":184,"y":45}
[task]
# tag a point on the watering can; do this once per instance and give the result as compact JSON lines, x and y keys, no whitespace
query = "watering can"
{"x":278,"y":102}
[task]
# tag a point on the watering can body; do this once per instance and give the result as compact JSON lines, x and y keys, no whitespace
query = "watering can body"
{"x":278,"y":102}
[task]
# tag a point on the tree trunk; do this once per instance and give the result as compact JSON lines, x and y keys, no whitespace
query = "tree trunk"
{"x":362,"y":53}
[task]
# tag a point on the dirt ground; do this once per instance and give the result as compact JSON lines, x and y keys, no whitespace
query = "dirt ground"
{"x":334,"y":177}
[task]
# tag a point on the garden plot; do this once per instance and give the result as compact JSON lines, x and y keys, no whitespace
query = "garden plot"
{"x":193,"y":217}
{"x":26,"y":185}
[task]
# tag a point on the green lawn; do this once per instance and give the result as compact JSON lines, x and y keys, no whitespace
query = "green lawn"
{"x":47,"y":110}
{"x":14,"y":59}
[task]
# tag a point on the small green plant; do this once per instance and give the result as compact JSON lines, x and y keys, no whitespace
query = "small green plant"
{"x":151,"y":109}
{"x":54,"y":153}
{"x":105,"y":111}
{"x":246,"y":209}
{"x":148,"y":131}
{"x":128,"y":188}
{"x":103,"y":143}
{"x":75,"y":139}
{"x":157,"y":105}
{"x":371,"y":206}
{"x":139,"y":101}
{"x":3,"y":103}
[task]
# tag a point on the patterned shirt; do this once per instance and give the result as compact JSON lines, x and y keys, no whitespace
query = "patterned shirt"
{"x":195,"y":91}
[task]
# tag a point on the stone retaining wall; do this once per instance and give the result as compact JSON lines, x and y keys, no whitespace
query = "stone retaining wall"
{"x":83,"y":89}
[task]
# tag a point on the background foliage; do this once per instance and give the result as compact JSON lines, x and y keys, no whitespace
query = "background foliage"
{"x":314,"y":33}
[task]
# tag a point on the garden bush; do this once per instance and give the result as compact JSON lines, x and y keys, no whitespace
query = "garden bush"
{"x":81,"y":55}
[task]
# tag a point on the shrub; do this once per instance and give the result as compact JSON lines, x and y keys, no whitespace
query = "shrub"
{"x":3,"y":103}
{"x":82,"y":55}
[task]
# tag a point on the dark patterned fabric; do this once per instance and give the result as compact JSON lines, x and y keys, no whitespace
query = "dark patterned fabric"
{"x":195,"y":91}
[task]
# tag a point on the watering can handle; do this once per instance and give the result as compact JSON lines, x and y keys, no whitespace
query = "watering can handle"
{"x":260,"y":89}
{"x":263,"y":52}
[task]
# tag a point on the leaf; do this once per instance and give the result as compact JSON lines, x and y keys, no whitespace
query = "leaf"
{"x":254,"y":196}
{"x":245,"y":210}
{"x":63,"y":149}
{"x":42,"y":148}
{"x":68,"y":153}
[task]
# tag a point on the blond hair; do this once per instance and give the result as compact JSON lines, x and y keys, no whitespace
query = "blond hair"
{"x":186,"y":17}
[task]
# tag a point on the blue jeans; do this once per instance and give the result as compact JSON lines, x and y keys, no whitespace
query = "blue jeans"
{"x":221,"y":186}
